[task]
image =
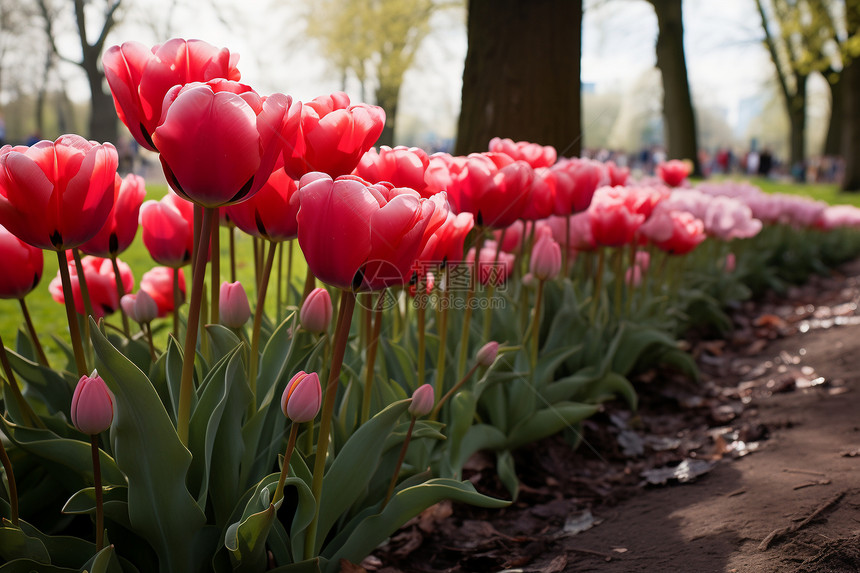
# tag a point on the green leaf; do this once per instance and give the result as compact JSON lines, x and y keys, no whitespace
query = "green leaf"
{"x":115,"y":500}
{"x":160,"y":507}
{"x":478,"y":437}
{"x":51,"y":385}
{"x":353,"y":467}
{"x":611,"y":385}
{"x":30,"y":566}
{"x":173,"y":375}
{"x":15,"y":544}
{"x":315,"y":565}
{"x":507,"y":471}
{"x":634,"y":340}
{"x":65,"y":550}
{"x":403,"y":506}
{"x":573,"y":387}
{"x":549,"y":421}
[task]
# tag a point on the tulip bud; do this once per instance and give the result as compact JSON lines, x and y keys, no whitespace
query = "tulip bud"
{"x":233,"y":305}
{"x":422,"y":401}
{"x":487,"y":354}
{"x":139,"y":307}
{"x":92,"y":405}
{"x":302,"y":397}
{"x":545,"y":263}
{"x":529,"y":280}
{"x":315,"y":315}
{"x":730,"y":263}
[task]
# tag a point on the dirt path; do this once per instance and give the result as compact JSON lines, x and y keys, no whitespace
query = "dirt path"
{"x":774,"y":428}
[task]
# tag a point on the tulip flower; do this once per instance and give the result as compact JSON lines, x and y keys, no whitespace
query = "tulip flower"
{"x":234,"y":309}
{"x":20,"y":266}
{"x":617,"y":175}
{"x":493,"y":266}
{"x":542,"y":195}
{"x":614,"y":222}
{"x":271,"y":213}
{"x":673,"y":172}
{"x":493,"y":187}
{"x":302,"y":397}
{"x":487,"y":354}
{"x":118,"y":232}
{"x":422,"y":404}
{"x":545,"y":263}
{"x":401,"y":166}
{"x":574,"y":193}
{"x":202,"y":123}
{"x":168,"y":230}
{"x":140,"y":307}
{"x":534,"y":154}
{"x":140,"y":77}
{"x":674,"y":232}
{"x":316,"y":312}
{"x":57,"y":195}
{"x":101,"y":283}
{"x":333,"y":136}
{"x":158,"y":284}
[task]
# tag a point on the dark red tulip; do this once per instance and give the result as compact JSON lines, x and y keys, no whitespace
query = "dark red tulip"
{"x":271,"y":212}
{"x":118,"y":232}
{"x":20,"y":266}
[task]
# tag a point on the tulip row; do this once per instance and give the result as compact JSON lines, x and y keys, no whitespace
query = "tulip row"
{"x":174,"y":449}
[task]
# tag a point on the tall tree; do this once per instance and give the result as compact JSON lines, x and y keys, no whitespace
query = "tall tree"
{"x":679,"y":120}
{"x":103,"y":119}
{"x":375,"y":41}
{"x":521,"y":77}
{"x":850,"y":148}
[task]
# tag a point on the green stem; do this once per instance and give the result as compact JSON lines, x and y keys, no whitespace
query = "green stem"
{"x":442,"y":354}
{"x":399,"y":463}
{"x":147,"y":332}
{"x":566,"y":254}
{"x":435,"y":413}
{"x":13,"y":488}
{"x":177,"y":300}
{"x":97,"y":482}
{"x":290,"y":246}
{"x":186,"y":387}
{"x":420,"y":312}
{"x":535,"y":327}
{"x":598,"y":282}
{"x":27,"y":412}
{"x":82,"y":281}
{"x":341,"y":336}
{"x":280,"y":274}
{"x":470,"y":295}
{"x":618,"y":263}
{"x":372,"y":346}
{"x":231,"y":234}
{"x":258,"y":321}
{"x":74,"y":331}
{"x":120,"y":291}
{"x":215,"y":269}
{"x":310,"y":283}
{"x":40,"y":352}
{"x":285,"y":469}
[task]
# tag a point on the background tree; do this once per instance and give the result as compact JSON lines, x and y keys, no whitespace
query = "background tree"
{"x":103,"y":119}
{"x":850,"y":136}
{"x":521,"y":76}
{"x":679,"y":121}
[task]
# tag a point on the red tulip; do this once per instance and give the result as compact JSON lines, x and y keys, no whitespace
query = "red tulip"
{"x":574,"y":194}
{"x":57,"y":195}
{"x":219,"y":141}
{"x":675,"y":232}
{"x":139,"y":78}
{"x":617,"y":175}
{"x":673,"y":172}
{"x":333,"y":136}
{"x":118,"y":232}
{"x":92,"y":405}
{"x":158,"y":283}
{"x":493,"y":187}
{"x":20,"y":266}
{"x":101,"y":284}
{"x":168,"y":230}
{"x":357,"y":235}
{"x":534,"y":154}
{"x":542,"y":201}
{"x":614,"y":221}
{"x":401,"y":166}
{"x":452,"y":237}
{"x":271,"y":213}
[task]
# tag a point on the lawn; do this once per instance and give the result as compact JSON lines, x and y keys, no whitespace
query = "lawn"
{"x":50,"y":318}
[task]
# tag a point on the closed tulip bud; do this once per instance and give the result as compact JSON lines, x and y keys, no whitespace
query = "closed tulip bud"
{"x":730,"y":263}
{"x":92,"y":405}
{"x":546,"y":259}
{"x":422,"y":401}
{"x":315,"y":315}
{"x":487,"y":354}
{"x":233,"y":305}
{"x":302,"y":397}
{"x":139,"y":307}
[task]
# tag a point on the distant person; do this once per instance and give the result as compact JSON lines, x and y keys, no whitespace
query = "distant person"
{"x":765,"y":163}
{"x":752,"y":162}
{"x":33,"y":138}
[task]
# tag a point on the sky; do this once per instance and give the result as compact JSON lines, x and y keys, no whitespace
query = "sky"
{"x":725,"y":57}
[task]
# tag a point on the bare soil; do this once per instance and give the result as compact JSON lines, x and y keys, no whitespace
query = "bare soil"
{"x":760,"y":462}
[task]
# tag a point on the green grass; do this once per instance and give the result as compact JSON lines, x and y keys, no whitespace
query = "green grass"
{"x":827,"y":192}
{"x":49,"y":316}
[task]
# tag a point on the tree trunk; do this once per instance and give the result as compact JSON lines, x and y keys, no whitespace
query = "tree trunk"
{"x":103,"y":118}
{"x":678,"y":117}
{"x":387,"y":97}
{"x":833,"y":142}
{"x":850,"y":149}
{"x":797,"y":127}
{"x":521,"y":77}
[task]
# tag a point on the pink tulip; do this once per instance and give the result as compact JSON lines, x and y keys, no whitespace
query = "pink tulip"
{"x":730,"y":263}
{"x":534,"y":154}
{"x":545,"y":263}
{"x":487,"y":354}
{"x":614,"y":222}
{"x":673,"y":172}
{"x":674,"y":232}
{"x":101,"y":284}
{"x":493,"y":187}
{"x":139,"y":307}
{"x":332,"y":137}
{"x":57,"y":195}
{"x":202,"y":124}
{"x":118,"y":232}
{"x":493,"y":266}
{"x":422,"y":401}
{"x":158,"y":283}
{"x":233,"y":308}
{"x":20,"y":266}
{"x":302,"y":397}
{"x":574,"y":190}
{"x":316,"y":312}
{"x":617,"y":175}
{"x":168,"y":230}
{"x":633,"y":276}
{"x":92,"y":405}
{"x":401,"y":166}
{"x":140,"y":77}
